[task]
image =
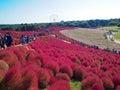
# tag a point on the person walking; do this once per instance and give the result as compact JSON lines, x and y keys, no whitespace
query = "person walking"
{"x":8,"y":39}
{"x":23,"y":39}
{"x":2,"y":41}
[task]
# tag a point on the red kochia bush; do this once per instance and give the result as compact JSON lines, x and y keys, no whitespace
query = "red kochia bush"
{"x":3,"y":69}
{"x":79,"y":73}
{"x":59,"y":85}
{"x":36,"y":61}
{"x":89,"y":88}
{"x":2,"y":74}
{"x":30,"y":81}
{"x":9,"y":57}
{"x":118,"y":87}
{"x":52,"y":66}
{"x":116,"y":80}
{"x":20,"y":55}
{"x":43,"y":78}
{"x":90,"y":81}
{"x":107,"y":83}
{"x":62,"y":76}
{"x":23,"y":49}
{"x":12,"y":79}
{"x":3,"y":65}
{"x":97,"y":86}
{"x":66,"y":69}
{"x":31,"y":54}
{"x":52,"y":80}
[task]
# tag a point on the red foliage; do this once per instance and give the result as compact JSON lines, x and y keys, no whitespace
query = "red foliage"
{"x":30,"y":81}
{"x":97,"y":86}
{"x":20,"y":55}
{"x":118,"y":87}
{"x":2,"y":74}
{"x":107,"y":83}
{"x":3,"y":65}
{"x":31,"y":54}
{"x":79,"y":73}
{"x":60,"y":85}
{"x":12,"y":79}
{"x":43,"y":78}
{"x":62,"y":76}
{"x":10,"y":58}
{"x":47,"y":59}
{"x":116,"y":80}
{"x":52,"y":66}
{"x":90,"y":81}
{"x":53,"y":80}
{"x":66,"y":69}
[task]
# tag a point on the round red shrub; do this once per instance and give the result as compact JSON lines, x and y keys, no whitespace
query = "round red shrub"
{"x":12,"y":79}
{"x":97,"y":86}
{"x":3,"y":53}
{"x":3,"y":65}
{"x":10,"y":58}
{"x":52,"y":80}
{"x":2,"y":74}
{"x":59,"y":85}
{"x":37,"y":60}
{"x":30,"y":80}
{"x":116,"y":80}
{"x":43,"y":78}
{"x":107,"y":83}
{"x":62,"y":76}
{"x":66,"y":69}
{"x":85,"y":63}
{"x":23,"y":49}
{"x":90,"y":81}
{"x":89,"y":88}
{"x":118,"y":87}
{"x":53,"y":66}
{"x":79,"y":73}
{"x":31,"y":54}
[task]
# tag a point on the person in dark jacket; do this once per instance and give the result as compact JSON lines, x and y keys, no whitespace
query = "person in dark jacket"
{"x":8,"y":39}
{"x":1,"y":41}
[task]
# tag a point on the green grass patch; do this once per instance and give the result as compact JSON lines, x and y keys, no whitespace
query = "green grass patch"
{"x":110,"y":28}
{"x":75,"y":85}
{"x":117,"y":36}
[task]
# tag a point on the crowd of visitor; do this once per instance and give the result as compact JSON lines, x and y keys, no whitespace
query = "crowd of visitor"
{"x":5,"y":40}
{"x":24,"y":39}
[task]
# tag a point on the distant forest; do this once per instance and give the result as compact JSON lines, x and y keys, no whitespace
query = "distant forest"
{"x":81,"y":24}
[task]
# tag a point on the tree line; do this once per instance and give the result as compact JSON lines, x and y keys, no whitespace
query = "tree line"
{"x":82,"y":24}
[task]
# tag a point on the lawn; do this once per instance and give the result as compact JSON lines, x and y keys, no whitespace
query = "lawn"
{"x":91,"y":37}
{"x":75,"y":85}
{"x":117,"y":35}
{"x":110,"y":28}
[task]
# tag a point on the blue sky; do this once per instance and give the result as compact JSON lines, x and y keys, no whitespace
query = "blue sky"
{"x":40,"y":11}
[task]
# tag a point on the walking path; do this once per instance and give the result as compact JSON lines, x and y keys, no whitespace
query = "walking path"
{"x":116,"y":41}
{"x":110,"y":37}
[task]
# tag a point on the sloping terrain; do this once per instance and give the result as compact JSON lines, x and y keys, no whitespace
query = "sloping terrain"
{"x":91,"y":37}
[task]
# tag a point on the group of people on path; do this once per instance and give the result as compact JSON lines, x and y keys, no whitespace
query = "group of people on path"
{"x":24,"y":39}
{"x":5,"y":40}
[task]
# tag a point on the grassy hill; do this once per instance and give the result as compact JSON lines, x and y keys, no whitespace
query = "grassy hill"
{"x":91,"y":37}
{"x":117,"y":35}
